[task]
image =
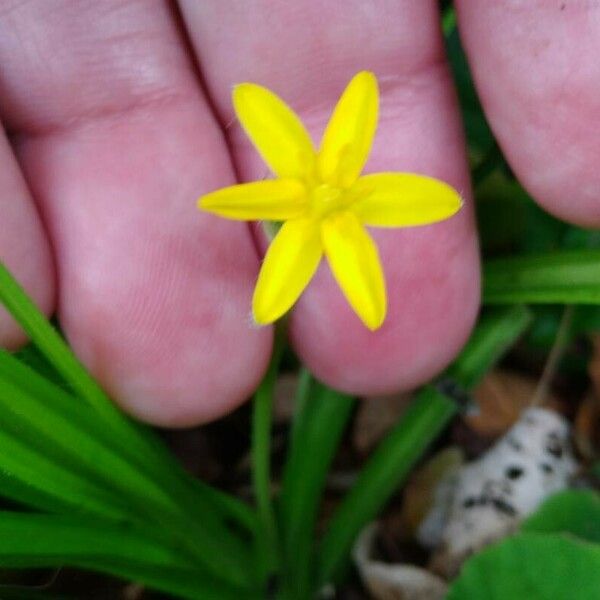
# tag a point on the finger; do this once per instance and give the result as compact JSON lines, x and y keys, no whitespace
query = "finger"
{"x":117,"y":142}
{"x":23,"y":244}
{"x":307,"y":52}
{"x":537,"y":72}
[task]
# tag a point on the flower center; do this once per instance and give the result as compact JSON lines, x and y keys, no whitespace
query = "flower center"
{"x":325,"y":199}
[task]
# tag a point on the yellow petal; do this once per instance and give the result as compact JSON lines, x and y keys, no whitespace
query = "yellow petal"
{"x":355,"y":264}
{"x":274,"y":200}
{"x":403,"y":200}
{"x":349,"y":134}
{"x":290,"y":263}
{"x":275,"y":130}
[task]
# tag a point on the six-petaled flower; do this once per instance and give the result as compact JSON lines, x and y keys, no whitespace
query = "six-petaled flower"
{"x":323,"y":201}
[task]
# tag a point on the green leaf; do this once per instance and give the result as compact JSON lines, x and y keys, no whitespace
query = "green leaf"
{"x":386,"y":469}
{"x":68,"y":433}
{"x":501,"y":213}
{"x":134,"y":439}
{"x":200,"y":535}
{"x":398,"y":452}
{"x":495,"y":334}
{"x":30,"y":356}
{"x":50,"y":399}
{"x":33,"y":477}
{"x":45,"y":450}
{"x":319,"y":425}
{"x":529,"y":565}
{"x":54,"y":424}
{"x":29,"y":540}
{"x":578,"y":238}
{"x":575,"y":511}
{"x":266,"y":534}
{"x":566,"y":277}
{"x":58,"y":354}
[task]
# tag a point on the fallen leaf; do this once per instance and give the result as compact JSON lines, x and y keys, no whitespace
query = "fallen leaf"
{"x":421,"y":488}
{"x":393,"y":581}
{"x":501,"y":398}
{"x":375,"y":417}
{"x":594,"y":365}
{"x":586,"y":427}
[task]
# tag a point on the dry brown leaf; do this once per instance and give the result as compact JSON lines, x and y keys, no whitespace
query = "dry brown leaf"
{"x":393,"y":581}
{"x":594,"y":366}
{"x":586,"y":427}
{"x":133,"y":591}
{"x":420,"y":489}
{"x":501,"y":398}
{"x":375,"y":417}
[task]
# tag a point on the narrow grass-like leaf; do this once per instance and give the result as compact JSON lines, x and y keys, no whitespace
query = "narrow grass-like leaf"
{"x":301,"y":399}
{"x":388,"y":466}
{"x":428,"y":415}
{"x":62,"y":431}
{"x":192,"y":500}
{"x":266,"y":534}
{"x":319,"y":429}
{"x":60,"y":439}
{"x":28,"y":540}
{"x":566,"y":277}
{"x":135,"y":438}
{"x":36,"y":495}
{"x":50,"y":482}
{"x":497,"y":331}
{"x":61,"y":403}
{"x":58,"y":354}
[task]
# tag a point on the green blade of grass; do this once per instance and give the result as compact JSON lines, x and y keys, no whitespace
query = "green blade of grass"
{"x":266,"y":535}
{"x":37,"y":495}
{"x":137,"y":440}
{"x":496,"y":332}
{"x":29,"y":540}
{"x":302,"y":398}
{"x":386,"y":469}
{"x":41,"y":480}
{"x":565,"y":277}
{"x":62,"y":359}
{"x":45,"y":474}
{"x":398,"y":452}
{"x":194,"y":499}
{"x":61,"y":437}
{"x":40,"y":379}
{"x":120,"y":485}
{"x":318,"y":429}
{"x":49,"y":398}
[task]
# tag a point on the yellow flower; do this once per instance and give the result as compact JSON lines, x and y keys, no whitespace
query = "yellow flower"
{"x":323,"y":200}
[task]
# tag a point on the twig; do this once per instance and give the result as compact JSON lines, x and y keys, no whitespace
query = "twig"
{"x":556,"y":352}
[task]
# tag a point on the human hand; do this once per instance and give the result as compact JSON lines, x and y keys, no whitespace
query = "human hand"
{"x":117,"y":133}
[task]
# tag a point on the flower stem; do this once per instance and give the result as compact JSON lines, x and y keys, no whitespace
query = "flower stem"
{"x":266,"y":535}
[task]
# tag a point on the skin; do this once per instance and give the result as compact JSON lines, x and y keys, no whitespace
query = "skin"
{"x":118,"y":115}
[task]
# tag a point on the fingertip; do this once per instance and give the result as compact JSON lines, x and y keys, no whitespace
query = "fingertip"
{"x":24,"y":247}
{"x":187,"y":399}
{"x":433,"y":279}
